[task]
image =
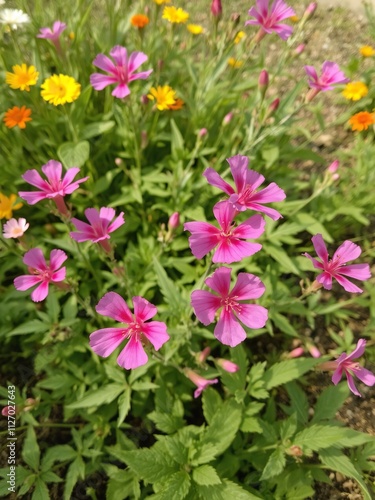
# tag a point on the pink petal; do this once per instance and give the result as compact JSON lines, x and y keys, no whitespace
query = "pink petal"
{"x":143,"y":309}
{"x":316,"y":263}
{"x":320,"y":247}
{"x":114,"y":306}
{"x":74,"y":185}
{"x":142,"y":75}
{"x":93,"y":216}
{"x":248,"y":286}
{"x":337,"y":374}
{"x":238,"y":166}
{"x":232,"y":250}
{"x":133,"y":355}
{"x":86,"y":232}
{"x":118,"y":222}
{"x":347,"y":285}
{"x":220,"y":281}
{"x":120,"y":55}
{"x":252,"y":315}
{"x":52,"y":170}
{"x":34,"y":258}
{"x":33,"y":177}
{"x":57,"y":258}
{"x":358,"y":271}
{"x":311,"y":73}
{"x":346,"y":252}
{"x":201,"y":243}
{"x":69,"y":176}
{"x":121,"y":91}
{"x":99,"y":81}
{"x":325,"y":279}
{"x":251,"y":228}
{"x":40,"y":292}
{"x":156,"y":333}
{"x":26,"y":281}
{"x":59,"y":275}
{"x":107,"y":214}
{"x":205,"y":305}
{"x":269,"y":194}
{"x":283,"y":30}
{"x":271,"y":212}
{"x":351,"y":384}
{"x":358,"y":351}
{"x":103,"y":62}
{"x":365,"y":376}
{"x":103,"y":342}
{"x":136,"y":59}
{"x":224,"y":213}
{"x":33,"y":197}
{"x":228,"y":331}
{"x":217,"y":181}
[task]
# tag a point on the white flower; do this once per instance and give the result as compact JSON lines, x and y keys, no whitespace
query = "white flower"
{"x":15,"y":228}
{"x":13,"y":17}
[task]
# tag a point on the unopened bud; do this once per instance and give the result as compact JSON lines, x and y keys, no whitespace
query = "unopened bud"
{"x":314,"y":351}
{"x":202,"y":132}
{"x":235,"y":18}
{"x":263,"y":82}
{"x":296,"y":353}
{"x":174,"y":221}
{"x":144,"y":99}
{"x":160,"y":64}
{"x":216,"y":8}
{"x":272,"y":108}
{"x":295,"y":451}
{"x":228,"y":118}
{"x":118,"y":161}
{"x":299,"y":49}
{"x":311,"y":8}
{"x":203,"y":355}
{"x":333,"y":167}
{"x":227,"y":365}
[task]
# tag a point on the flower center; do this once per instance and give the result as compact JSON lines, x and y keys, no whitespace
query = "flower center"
{"x":122,"y":74}
{"x":230,"y":303}
{"x":246,"y":195}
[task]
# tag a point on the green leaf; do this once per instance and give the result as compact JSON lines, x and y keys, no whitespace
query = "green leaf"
{"x":270,"y":155}
{"x":53,"y":307}
{"x":283,"y":324}
{"x":31,"y":451}
{"x":330,"y":401}
{"x":285,"y":371}
{"x":282,"y":258}
{"x":40,"y":491}
{"x":318,"y":437}
{"x":211,"y":402}
{"x":288,"y":427}
{"x":312,"y":225}
{"x":299,"y":402}
{"x":150,"y":464}
{"x":224,"y":426}
{"x":74,"y":154}
{"x":166,"y":422}
{"x":206,"y":475}
{"x":224,"y":491}
{"x":122,"y":485}
{"x":123,"y":406}
{"x":176,"y":139}
{"x":32,"y":326}
{"x":50,"y":477}
{"x":97,"y":128}
{"x":104,"y":395}
{"x":275,"y":464}
{"x":59,"y":453}
{"x":176,"y":486}
{"x":76,"y":471}
{"x":167,"y":287}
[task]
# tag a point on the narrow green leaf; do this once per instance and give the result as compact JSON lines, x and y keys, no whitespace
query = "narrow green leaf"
{"x":31,"y":451}
{"x":167,"y":287}
{"x":281,"y":257}
{"x":330,"y":401}
{"x":104,"y":395}
{"x":76,"y":471}
{"x":123,"y":406}
{"x":40,"y":491}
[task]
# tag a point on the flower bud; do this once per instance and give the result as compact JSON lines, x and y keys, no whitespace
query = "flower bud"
{"x":118,"y":161}
{"x":296,"y":353}
{"x":144,"y":99}
{"x":263,"y":81}
{"x":333,"y":167}
{"x":202,"y":132}
{"x":299,"y":49}
{"x":227,"y":118}
{"x":227,"y":365}
{"x":203,"y":355}
{"x":235,"y":18}
{"x":295,"y":451}
{"x":311,"y":8}
{"x":314,"y":351}
{"x":174,"y":221}
{"x":216,"y":8}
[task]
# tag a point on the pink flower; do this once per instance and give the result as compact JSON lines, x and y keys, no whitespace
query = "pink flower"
{"x":15,"y":228}
{"x":200,"y":382}
{"x":121,"y":72}
{"x":216,"y":8}
{"x":268,"y":18}
{"x":345,"y":364}
{"x":54,"y":187}
{"x":203,"y":355}
{"x":331,"y":75}
{"x":205,"y":304}
{"x":174,"y":221}
{"x":41,"y":272}
{"x":228,"y":239}
{"x":99,"y":228}
{"x":336,"y":267}
{"x":106,"y":340}
{"x":247,"y":181}
{"x":227,"y":365}
{"x":54,"y":34}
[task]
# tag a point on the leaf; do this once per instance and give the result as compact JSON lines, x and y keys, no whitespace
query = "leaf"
{"x":330,"y":401}
{"x":176,"y":486}
{"x":285,"y":371}
{"x":31,"y":451}
{"x":97,"y":128}
{"x":32,"y":326}
{"x":281,"y":257}
{"x":123,"y":406}
{"x":40,"y":491}
{"x":318,"y":437}
{"x":167,"y":287}
{"x":122,"y":485}
{"x":53,"y":307}
{"x":299,"y":402}
{"x":283,"y":324}
{"x":275,"y":464}
{"x":177,"y":140}
{"x":312,"y":225}
{"x":224,"y":491}
{"x":211,"y":402}
{"x":224,"y":426}
{"x":76,"y":471}
{"x":74,"y":154}
{"x":104,"y":395}
{"x":206,"y":475}
{"x":59,"y":453}
{"x":150,"y":464}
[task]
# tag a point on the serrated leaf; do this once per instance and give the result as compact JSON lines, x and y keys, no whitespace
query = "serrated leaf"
{"x":285,"y":371}
{"x":224,"y":491}
{"x":299,"y":402}
{"x":167,"y":287}
{"x":122,"y":486}
{"x":59,"y":453}
{"x":31,"y":451}
{"x":76,"y":471}
{"x":224,"y":426}
{"x":275,"y":464}
{"x":211,"y":402}
{"x":74,"y":154}
{"x":206,"y":475}
{"x":150,"y":464}
{"x":330,"y":401}
{"x":40,"y":491}
{"x":318,"y":437}
{"x":104,"y":395}
{"x":123,"y":406}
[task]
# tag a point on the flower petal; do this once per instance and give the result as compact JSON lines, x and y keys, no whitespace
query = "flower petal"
{"x":347,"y":285}
{"x":217,"y":181}
{"x":337,"y":374}
{"x":136,"y":59}
{"x":35,"y":259}
{"x":34,"y":178}
{"x":104,"y":63}
{"x":232,"y":250}
{"x":120,"y":55}
{"x":253,"y":227}
{"x":325,"y":279}
{"x":320,"y":247}
{"x":99,"y":81}
{"x":358,"y":271}
{"x":59,"y":275}
{"x":365,"y":376}
{"x":252,"y":315}
{"x":205,"y":305}
{"x":114,"y":306}
{"x":52,"y":170}
{"x":248,"y":286}
{"x":358,"y":351}
{"x":143,"y":309}
{"x":57,"y":258}
{"x":103,"y":342}
{"x":316,"y":263}
{"x":156,"y":333}
{"x":118,"y":222}
{"x":220,"y":281}
{"x":40,"y":292}
{"x":25,"y":282}
{"x":346,"y":252}
{"x":351,"y":384}
{"x":228,"y":331}
{"x":238,"y":166}
{"x":133,"y":355}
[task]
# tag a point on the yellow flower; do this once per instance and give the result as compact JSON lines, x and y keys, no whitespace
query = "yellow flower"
{"x":71,"y":35}
{"x":7,"y":205}
{"x":139,"y":20}
{"x":195,"y":29}
{"x":362,"y":120}
{"x":174,"y":15}
{"x":235,"y":63}
{"x":239,"y":36}
{"x":160,"y":2}
{"x":22,"y":77}
{"x":367,"y":51}
{"x":294,"y":19}
{"x":17,"y":116}
{"x":178,"y":104}
{"x":355,"y":91}
{"x":60,"y":89}
{"x":165,"y":96}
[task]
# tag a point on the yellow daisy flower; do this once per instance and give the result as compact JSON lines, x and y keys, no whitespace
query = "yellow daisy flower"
{"x":195,"y":29}
{"x":22,"y":77}
{"x":240,"y":35}
{"x":367,"y":51}
{"x":60,"y":89}
{"x":355,"y":91}
{"x":174,"y":15}
{"x":17,"y":116}
{"x":7,"y":205}
{"x":160,"y":2}
{"x":235,"y":63}
{"x":362,"y":121}
{"x":164,"y":95}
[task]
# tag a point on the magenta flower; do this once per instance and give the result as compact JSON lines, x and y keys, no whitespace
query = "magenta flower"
{"x":200,"y":382}
{"x":106,"y":340}
{"x":54,"y":34}
{"x":228,"y":239}
{"x":205,"y":304}
{"x":99,"y":228}
{"x":121,"y":72}
{"x":331,"y":75}
{"x":227,"y":365}
{"x":268,"y":18}
{"x":41,"y":273}
{"x":345,"y":364}
{"x":54,"y":187}
{"x":247,"y":181}
{"x":336,"y":267}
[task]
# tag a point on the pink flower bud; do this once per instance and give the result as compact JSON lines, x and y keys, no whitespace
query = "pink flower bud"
{"x":227,"y":365}
{"x":311,"y":8}
{"x":174,"y":221}
{"x":300,"y":49}
{"x":144,"y":99}
{"x":216,"y":8}
{"x":263,"y":81}
{"x":314,"y":351}
{"x":202,"y":132}
{"x":118,"y":161}
{"x":203,"y":355}
{"x":273,"y":107}
{"x":335,"y":177}
{"x":228,"y":118}
{"x":296,"y":353}
{"x":295,"y":451}
{"x":235,"y":18}
{"x":333,"y":167}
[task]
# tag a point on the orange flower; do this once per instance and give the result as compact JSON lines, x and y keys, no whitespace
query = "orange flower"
{"x":178,"y":104}
{"x":17,"y":116}
{"x":362,"y":120}
{"x":139,"y":21}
